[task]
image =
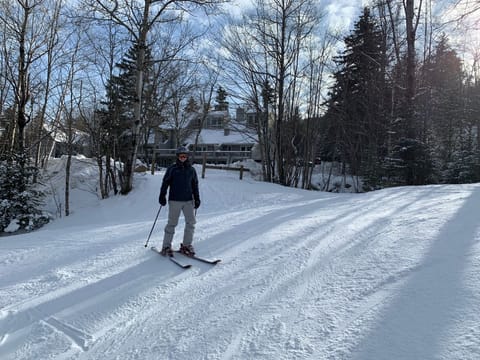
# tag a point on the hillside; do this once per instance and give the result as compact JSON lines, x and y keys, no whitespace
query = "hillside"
{"x":392,"y":274}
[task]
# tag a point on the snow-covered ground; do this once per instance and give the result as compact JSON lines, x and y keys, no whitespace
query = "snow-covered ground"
{"x":392,"y":274}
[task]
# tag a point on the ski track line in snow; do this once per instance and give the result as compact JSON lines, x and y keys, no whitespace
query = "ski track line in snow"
{"x":69,"y":277}
{"x":78,"y":337}
{"x":64,"y":251}
{"x":154,"y":301}
{"x":269,"y":217}
{"x":266,"y":218}
{"x":302,"y":290}
{"x":384,"y":291}
{"x":372,"y":297}
{"x":193,"y":297}
{"x":443,"y":304}
{"x":266,"y":261}
{"x":269,"y":256}
{"x":115,"y":290}
{"x":271,"y":265}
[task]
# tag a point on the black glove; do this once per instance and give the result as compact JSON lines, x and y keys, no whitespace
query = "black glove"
{"x":197,"y":203}
{"x":162,"y":200}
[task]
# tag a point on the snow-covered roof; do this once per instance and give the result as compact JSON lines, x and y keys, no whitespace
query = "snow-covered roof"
{"x":217,"y":136}
{"x":171,"y":124}
{"x":218,"y":113}
{"x":61,"y":137}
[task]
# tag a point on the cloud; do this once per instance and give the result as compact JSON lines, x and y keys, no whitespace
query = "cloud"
{"x":341,"y":13}
{"x":236,"y":8}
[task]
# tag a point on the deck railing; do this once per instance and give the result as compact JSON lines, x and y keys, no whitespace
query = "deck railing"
{"x":212,"y":156}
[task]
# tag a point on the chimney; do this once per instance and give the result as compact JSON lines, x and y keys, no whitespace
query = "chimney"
{"x":226,"y":131}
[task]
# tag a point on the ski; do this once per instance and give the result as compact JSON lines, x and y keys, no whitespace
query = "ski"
{"x":207,"y":261}
{"x":172,"y":259}
{"x":183,"y":266}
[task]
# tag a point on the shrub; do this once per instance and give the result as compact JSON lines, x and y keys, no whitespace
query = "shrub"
{"x":20,"y":201}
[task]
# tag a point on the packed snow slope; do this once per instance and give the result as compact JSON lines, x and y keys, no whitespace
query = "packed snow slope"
{"x":392,"y":274}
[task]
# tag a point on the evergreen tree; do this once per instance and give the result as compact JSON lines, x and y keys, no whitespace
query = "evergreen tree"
{"x":221,"y":99}
{"x":472,"y":133}
{"x":19,"y":200}
{"x":356,"y":108}
{"x":192,"y":106}
{"x":447,"y":117}
{"x":408,"y":156}
{"x":118,"y":112}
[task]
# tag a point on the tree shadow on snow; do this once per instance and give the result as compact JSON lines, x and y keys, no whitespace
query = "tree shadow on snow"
{"x":99,"y":298}
{"x":416,"y":323}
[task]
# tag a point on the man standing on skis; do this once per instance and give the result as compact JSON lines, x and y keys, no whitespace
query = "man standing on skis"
{"x":183,"y":196}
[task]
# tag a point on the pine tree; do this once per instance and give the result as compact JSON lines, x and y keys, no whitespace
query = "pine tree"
{"x":471,"y":144}
{"x":447,"y":119}
{"x":221,"y":99}
{"x":356,"y":107}
{"x":20,"y":200}
{"x":118,"y":112}
{"x":192,"y":106}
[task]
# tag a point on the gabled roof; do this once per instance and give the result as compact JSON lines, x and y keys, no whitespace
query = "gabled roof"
{"x":170,"y":124}
{"x":61,"y":137}
{"x":217,"y":136}
{"x":231,"y":133}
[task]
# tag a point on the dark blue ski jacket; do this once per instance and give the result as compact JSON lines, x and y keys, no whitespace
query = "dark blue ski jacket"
{"x":183,"y":182}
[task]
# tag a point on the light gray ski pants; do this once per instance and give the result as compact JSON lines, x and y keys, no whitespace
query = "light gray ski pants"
{"x":174,"y":209}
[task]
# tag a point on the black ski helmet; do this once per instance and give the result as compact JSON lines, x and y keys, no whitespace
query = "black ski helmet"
{"x":181,"y":150}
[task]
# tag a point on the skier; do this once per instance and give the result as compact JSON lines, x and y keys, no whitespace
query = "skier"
{"x":183,"y":196}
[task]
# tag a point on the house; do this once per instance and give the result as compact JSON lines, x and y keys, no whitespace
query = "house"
{"x":247,"y":116}
{"x":221,"y":139}
{"x":55,"y":141}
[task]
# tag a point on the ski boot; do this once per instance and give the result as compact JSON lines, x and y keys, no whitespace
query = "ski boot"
{"x":187,"y":250}
{"x":166,"y":251}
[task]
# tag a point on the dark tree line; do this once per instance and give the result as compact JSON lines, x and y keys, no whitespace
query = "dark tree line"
{"x":356,"y":132}
{"x":366,"y":120}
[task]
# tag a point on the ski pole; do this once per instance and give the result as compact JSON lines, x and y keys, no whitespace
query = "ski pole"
{"x":148,"y":239}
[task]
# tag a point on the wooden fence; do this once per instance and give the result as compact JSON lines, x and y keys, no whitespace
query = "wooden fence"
{"x":240,"y":169}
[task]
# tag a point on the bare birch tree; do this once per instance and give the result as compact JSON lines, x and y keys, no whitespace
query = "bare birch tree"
{"x":25,"y":28}
{"x":52,"y":49}
{"x":138,"y":18}
{"x":267,"y":51}
{"x":318,"y":58}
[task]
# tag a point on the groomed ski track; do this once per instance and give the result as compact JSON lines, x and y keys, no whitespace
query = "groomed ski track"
{"x":304,"y":275}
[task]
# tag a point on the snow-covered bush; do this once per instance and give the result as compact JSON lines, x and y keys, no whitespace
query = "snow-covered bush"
{"x":19,"y":199}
